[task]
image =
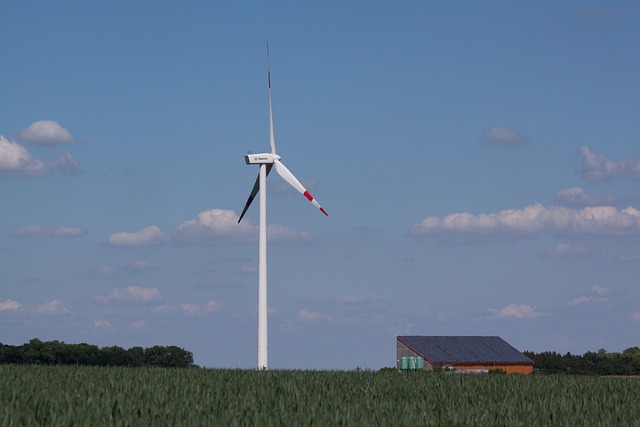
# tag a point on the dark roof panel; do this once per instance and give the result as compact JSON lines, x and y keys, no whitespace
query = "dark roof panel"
{"x":464,"y":349}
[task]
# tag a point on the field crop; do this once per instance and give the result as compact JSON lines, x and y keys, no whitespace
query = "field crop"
{"x":69,"y":395}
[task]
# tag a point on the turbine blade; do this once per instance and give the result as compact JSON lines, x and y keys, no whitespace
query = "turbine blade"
{"x":254,"y":191}
{"x":272,"y":139}
{"x":288,"y":176}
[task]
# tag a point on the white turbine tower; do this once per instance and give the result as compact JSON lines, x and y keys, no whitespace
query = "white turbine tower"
{"x":266,"y":162}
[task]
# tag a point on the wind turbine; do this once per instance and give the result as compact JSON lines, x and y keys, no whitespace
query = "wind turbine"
{"x":266,"y":162}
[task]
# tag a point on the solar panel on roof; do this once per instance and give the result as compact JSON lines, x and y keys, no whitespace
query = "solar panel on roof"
{"x":427,"y":348}
{"x":465,"y":349}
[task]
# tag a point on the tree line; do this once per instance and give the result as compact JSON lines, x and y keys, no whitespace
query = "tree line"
{"x":59,"y":353}
{"x":601,"y":362}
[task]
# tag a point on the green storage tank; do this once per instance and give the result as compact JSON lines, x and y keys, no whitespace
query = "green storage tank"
{"x":404,"y":363}
{"x":412,"y":363}
{"x":419,"y":363}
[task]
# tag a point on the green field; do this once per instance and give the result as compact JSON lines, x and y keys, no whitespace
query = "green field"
{"x":94,"y":396}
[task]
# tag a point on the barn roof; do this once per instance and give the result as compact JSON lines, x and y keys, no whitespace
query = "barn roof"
{"x":463,"y":349}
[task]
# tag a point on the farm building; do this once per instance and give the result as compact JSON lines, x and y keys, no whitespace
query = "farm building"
{"x":460,"y":353}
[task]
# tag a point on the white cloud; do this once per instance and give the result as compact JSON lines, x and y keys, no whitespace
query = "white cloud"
{"x":535,"y":219}
{"x":51,"y":308}
{"x":599,"y":295}
{"x":101,"y":271}
{"x":195,"y":309}
{"x":519,"y":311}
{"x":278,"y":233}
{"x":356,"y":299}
{"x":138,"y":324}
{"x":66,"y":231}
{"x":601,"y":290}
{"x":221,"y":224}
{"x":64,"y":163}
{"x":352,"y":318}
{"x":590,"y":13}
{"x":46,"y":132}
{"x":191,"y":309}
{"x":576,"y":196}
{"x":569,"y":250}
{"x":36,"y":230}
{"x":104,"y":270}
{"x":248,"y":269}
{"x":29,"y":230}
{"x":581,"y":300}
{"x":132,"y":268}
{"x":163,"y":309}
{"x":101,"y":324}
{"x":625,"y":258}
{"x":16,"y":160}
{"x":149,"y":236}
{"x":312,"y":316}
{"x":140,"y":265}
{"x":228,"y":258}
{"x":215,"y":224}
{"x":504,"y":137}
{"x":10,"y":305}
{"x":131,"y":295}
{"x":596,"y":167}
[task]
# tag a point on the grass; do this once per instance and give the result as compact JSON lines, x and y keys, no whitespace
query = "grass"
{"x":68,"y":395}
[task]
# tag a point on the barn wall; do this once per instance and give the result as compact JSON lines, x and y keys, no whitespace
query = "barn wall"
{"x":509,"y":369}
{"x":403,"y":351}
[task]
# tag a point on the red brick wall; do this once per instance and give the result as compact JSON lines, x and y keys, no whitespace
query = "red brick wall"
{"x":509,"y":369}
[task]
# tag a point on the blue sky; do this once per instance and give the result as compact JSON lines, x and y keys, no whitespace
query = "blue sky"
{"x":479,"y":162}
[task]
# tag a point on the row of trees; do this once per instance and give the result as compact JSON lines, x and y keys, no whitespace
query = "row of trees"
{"x":601,"y":362}
{"x":59,"y":353}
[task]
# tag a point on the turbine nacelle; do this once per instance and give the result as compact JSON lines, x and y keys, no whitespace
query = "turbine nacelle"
{"x":261,"y":158}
